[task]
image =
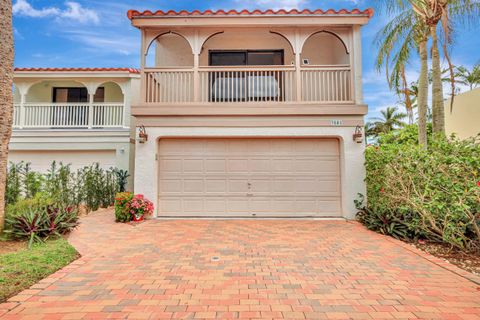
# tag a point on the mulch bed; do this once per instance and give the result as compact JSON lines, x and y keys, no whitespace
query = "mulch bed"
{"x":466,"y":261}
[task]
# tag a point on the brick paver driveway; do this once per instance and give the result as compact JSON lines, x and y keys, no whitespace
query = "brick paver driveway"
{"x":269,"y":269}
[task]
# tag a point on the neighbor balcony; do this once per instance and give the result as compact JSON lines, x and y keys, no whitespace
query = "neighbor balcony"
{"x":68,"y":115}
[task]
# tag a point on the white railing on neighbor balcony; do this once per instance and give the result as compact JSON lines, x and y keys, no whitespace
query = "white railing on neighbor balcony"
{"x":278,"y":84}
{"x":68,"y":115}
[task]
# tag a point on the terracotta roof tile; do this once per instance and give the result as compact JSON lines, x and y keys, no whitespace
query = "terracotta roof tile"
{"x":171,"y":13}
{"x":130,"y":70}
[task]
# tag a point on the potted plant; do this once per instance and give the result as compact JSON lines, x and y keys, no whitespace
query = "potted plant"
{"x":140,"y":207}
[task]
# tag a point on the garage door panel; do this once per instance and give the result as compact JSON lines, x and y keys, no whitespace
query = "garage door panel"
{"x":239,"y":177}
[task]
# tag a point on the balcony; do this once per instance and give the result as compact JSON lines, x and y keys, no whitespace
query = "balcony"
{"x":68,"y":115}
{"x":276,"y":84}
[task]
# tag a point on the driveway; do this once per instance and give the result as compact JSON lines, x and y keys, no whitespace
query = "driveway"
{"x":269,"y":269}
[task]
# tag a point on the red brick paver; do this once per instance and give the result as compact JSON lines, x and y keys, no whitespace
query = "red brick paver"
{"x":266,"y":269}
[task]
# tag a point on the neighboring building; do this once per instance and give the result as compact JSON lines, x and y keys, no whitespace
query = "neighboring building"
{"x":251,"y":113}
{"x":76,"y":115}
{"x":464,"y":118}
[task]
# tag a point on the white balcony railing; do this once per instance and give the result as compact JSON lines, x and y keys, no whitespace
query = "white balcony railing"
{"x":68,"y":115}
{"x":279,"y":84}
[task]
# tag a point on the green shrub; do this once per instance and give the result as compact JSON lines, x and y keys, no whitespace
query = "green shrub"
{"x":40,"y":200}
{"x":416,"y":193}
{"x":37,"y":225}
{"x":91,"y":186}
{"x":122,"y":207}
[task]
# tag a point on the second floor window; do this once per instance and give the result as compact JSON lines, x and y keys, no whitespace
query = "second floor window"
{"x":254,"y":85}
{"x":76,"y":95}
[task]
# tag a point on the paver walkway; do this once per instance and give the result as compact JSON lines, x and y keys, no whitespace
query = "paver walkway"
{"x":269,"y":269}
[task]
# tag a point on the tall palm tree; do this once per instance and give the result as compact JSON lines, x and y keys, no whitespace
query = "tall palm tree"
{"x":389,"y":120}
{"x":404,"y":35}
{"x":467,"y":77}
{"x":442,"y":12}
{"x":6,"y":99}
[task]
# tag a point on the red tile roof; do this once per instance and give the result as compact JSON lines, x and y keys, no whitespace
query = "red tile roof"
{"x":134,"y":13}
{"x":129,"y":70}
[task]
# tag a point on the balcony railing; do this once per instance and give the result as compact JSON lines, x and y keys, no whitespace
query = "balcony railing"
{"x":68,"y":115}
{"x":279,"y":84}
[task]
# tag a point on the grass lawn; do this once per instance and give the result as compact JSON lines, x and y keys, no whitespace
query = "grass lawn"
{"x":21,"y":269}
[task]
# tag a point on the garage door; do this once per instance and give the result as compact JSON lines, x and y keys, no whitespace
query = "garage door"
{"x":249,"y":177}
{"x":42,"y":159}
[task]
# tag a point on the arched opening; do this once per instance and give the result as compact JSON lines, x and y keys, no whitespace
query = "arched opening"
{"x":253,"y":40}
{"x":59,"y":91}
{"x":325,"y":48}
{"x":169,"y":50}
{"x":108,"y":108}
{"x":109,"y":92}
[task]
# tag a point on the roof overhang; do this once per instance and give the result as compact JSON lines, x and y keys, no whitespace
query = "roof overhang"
{"x":69,"y":73}
{"x":256,"y":18}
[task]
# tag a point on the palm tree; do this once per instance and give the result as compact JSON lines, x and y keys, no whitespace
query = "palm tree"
{"x":444,"y":12}
{"x":467,"y":77}
{"x":389,"y":120}
{"x":402,"y":36}
{"x":6,"y":99}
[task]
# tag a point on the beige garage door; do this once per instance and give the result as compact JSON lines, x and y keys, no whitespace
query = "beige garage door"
{"x":249,"y":177}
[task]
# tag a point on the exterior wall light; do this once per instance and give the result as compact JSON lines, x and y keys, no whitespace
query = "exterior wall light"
{"x":358,"y":135}
{"x":142,"y":134}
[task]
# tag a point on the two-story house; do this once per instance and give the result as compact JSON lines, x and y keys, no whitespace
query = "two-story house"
{"x":250,"y":113}
{"x":77,"y":116}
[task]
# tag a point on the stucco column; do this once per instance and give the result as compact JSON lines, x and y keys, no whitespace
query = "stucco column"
{"x":126,"y":105}
{"x":196,"y":77}
{"x":298,"y":75}
{"x":357,"y":65}
{"x":21,"y":110}
{"x":90,"y":110}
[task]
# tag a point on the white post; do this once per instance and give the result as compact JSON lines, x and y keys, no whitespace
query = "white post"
{"x":90,"y":110}
{"x":21,"y":110}
{"x":196,"y":77}
{"x":143,"y":53}
{"x":126,"y":105}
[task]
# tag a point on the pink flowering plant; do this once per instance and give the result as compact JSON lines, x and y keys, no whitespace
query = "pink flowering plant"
{"x":129,"y":207}
{"x":140,"y":207}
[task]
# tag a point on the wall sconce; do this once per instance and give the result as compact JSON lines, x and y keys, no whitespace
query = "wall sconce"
{"x":358,"y":135}
{"x":142,"y":134}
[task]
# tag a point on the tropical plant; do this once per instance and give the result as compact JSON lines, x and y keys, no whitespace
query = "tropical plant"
{"x":390,"y":120}
{"x":467,"y":77}
{"x":122,"y":207}
{"x":6,"y":97}
{"x":434,"y":193}
{"x":397,"y":41}
{"x":38,"y":224}
{"x":122,"y":179}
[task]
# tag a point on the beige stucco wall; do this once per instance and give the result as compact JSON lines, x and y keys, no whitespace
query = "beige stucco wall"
{"x":325,"y":49}
{"x":172,"y":51}
{"x":464,"y":119}
{"x":43,"y":92}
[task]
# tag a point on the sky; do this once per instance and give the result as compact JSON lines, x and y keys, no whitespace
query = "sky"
{"x":97,"y":33}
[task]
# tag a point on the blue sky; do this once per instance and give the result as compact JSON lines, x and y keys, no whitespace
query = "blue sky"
{"x":97,"y":33}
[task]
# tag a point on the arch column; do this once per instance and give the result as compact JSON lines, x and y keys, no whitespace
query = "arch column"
{"x":91,"y":88}
{"x":23,"y":90}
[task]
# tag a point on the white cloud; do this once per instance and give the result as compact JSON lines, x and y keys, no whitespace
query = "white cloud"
{"x":23,"y":8}
{"x":74,"y":11}
{"x":106,"y":43}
